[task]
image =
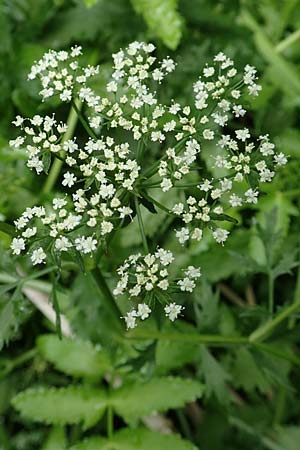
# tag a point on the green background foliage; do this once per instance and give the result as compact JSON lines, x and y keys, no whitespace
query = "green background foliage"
{"x":225,"y":376}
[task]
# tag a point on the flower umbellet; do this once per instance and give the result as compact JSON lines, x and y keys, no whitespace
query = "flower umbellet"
{"x":105,"y":179}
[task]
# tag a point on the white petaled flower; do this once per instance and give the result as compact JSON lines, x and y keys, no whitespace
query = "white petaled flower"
{"x":251,"y":196}
{"x":85,"y":244}
{"x":69,"y":179}
{"x":220,"y":235}
{"x":173,"y":310}
{"x":130,"y":319}
{"x":243,"y":134}
{"x":143,"y":311}
{"x":62,"y":244}
{"x":17,"y":245}
{"x":38,"y":256}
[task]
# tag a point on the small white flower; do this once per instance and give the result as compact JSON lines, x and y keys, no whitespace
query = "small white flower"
{"x":251,"y":196}
{"x":69,"y":179}
{"x":143,"y":311}
{"x":38,"y":256}
{"x":220,"y":235}
{"x":186,"y":285}
{"x":182,"y":235}
{"x":62,"y":244}
{"x":173,"y":310}
{"x":130,"y":319}
{"x":280,"y":159}
{"x":166,"y":184}
{"x":208,"y":71}
{"x":17,"y":245}
{"x":243,"y":134}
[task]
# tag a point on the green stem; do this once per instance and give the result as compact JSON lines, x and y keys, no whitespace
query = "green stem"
{"x":280,"y":405}
{"x":158,"y":204}
{"x":141,"y":225}
{"x":110,"y":422}
{"x":261,"y":332}
{"x":285,"y":43}
{"x":271,"y":292}
{"x":180,"y":337}
{"x":279,"y":354}
{"x":84,"y":123}
{"x":13,"y":364}
{"x":58,"y":163}
{"x":292,"y":320}
{"x":265,"y":440}
{"x":109,"y":300}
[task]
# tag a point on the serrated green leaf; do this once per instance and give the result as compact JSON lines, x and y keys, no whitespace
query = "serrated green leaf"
{"x":170,"y":354}
{"x":62,"y":406}
{"x":215,"y":377}
{"x":133,"y":401}
{"x":247,"y":374}
{"x":138,"y":439}
{"x":74,"y":357}
{"x":162,"y":18}
{"x":56,"y":440}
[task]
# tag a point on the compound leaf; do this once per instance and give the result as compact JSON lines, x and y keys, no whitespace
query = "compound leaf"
{"x":62,"y":406}
{"x":74,"y":357}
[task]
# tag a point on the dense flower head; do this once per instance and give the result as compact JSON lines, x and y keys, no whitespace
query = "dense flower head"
{"x":135,"y":144}
{"x":147,"y":277}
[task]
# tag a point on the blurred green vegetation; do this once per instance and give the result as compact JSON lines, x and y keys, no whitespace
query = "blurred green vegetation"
{"x":251,"y":396}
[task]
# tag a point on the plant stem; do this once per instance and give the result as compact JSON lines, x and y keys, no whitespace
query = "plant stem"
{"x":262,"y":331}
{"x":58,"y":163}
{"x":292,"y":320}
{"x":84,"y":123}
{"x":285,"y":43}
{"x":110,"y":422}
{"x":13,"y":364}
{"x":109,"y":300}
{"x":196,"y":338}
{"x":271,"y":292}
{"x":141,"y":225}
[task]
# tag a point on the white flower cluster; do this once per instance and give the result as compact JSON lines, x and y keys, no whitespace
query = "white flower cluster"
{"x":42,"y":136}
{"x":106,"y":174}
{"x":147,"y":276}
{"x":60,"y":73}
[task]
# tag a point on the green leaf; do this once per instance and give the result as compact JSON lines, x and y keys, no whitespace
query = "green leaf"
{"x":289,"y":437}
{"x":162,"y":18}
{"x":215,"y":377}
{"x":223,"y":217}
{"x":137,"y":439}
{"x":247,"y":374}
{"x":74,"y":357}
{"x":133,"y":401}
{"x":90,"y":3}
{"x":7,"y":228}
{"x":56,"y":440}
{"x":62,"y":406}
{"x":281,"y":69}
{"x":170,"y":354}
